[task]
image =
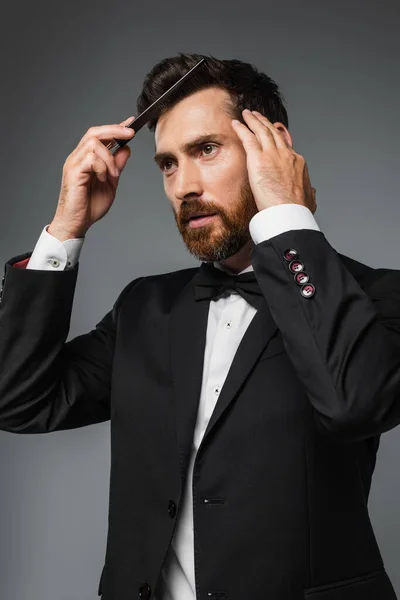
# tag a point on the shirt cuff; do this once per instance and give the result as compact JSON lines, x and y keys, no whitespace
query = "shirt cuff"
{"x":277,"y":219}
{"x":50,"y":254}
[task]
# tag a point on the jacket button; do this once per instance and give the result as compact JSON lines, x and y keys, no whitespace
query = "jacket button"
{"x":307,"y":290}
{"x":145,"y":591}
{"x":295,"y":266}
{"x":290,"y":254}
{"x":301,"y":278}
{"x":171,"y":509}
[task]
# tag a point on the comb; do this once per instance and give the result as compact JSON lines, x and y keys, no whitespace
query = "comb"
{"x":150,"y":111}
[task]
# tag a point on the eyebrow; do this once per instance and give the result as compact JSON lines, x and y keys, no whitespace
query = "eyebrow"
{"x":159,"y":157}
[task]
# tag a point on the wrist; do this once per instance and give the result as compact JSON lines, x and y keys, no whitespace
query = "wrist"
{"x":62,"y":234}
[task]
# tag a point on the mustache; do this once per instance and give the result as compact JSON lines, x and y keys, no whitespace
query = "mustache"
{"x":190,"y":210}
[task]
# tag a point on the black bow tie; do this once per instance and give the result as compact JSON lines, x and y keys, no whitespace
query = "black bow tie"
{"x":210,"y":283}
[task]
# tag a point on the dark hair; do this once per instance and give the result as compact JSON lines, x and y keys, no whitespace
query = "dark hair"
{"x":246,"y":85}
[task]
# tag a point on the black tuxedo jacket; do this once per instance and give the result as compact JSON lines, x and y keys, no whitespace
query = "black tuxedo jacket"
{"x":282,"y":476}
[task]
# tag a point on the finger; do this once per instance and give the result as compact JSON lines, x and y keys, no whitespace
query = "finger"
{"x":94,"y":164}
{"x":280,"y":140}
{"x":121,"y":157}
{"x":108,"y":133}
{"x":248,"y":139}
{"x":263,"y":133}
{"x":127,"y":121}
{"x":94,"y":145}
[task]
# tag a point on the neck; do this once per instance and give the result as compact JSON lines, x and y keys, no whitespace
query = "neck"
{"x":240,"y":260}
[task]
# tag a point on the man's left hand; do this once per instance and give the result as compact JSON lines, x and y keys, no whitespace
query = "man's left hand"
{"x":277,"y":174}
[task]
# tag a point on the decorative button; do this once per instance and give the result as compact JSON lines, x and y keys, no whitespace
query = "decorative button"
{"x":290,"y":254}
{"x":145,"y":591}
{"x":171,"y":509}
{"x":307,"y":290}
{"x":301,"y":278}
{"x":295,"y":266}
{"x":69,"y":263}
{"x":54,"y":262}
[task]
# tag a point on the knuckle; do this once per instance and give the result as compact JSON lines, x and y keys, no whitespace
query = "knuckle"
{"x":69,"y":164}
{"x":91,"y":143}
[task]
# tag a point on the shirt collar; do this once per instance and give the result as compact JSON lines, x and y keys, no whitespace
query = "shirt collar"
{"x":221,"y":268}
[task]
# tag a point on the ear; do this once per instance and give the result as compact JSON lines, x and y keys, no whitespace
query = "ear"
{"x":284,"y":133}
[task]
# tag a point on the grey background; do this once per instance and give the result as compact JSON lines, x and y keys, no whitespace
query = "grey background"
{"x":68,"y":67}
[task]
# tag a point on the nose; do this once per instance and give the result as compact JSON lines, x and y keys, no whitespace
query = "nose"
{"x":187,"y":180}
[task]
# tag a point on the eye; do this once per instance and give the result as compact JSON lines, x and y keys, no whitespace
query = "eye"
{"x":208,"y":146}
{"x":203,"y":147}
{"x":166,"y":162}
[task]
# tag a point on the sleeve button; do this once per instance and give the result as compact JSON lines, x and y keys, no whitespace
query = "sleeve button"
{"x":301,"y":278}
{"x":307,"y":290}
{"x":290,"y":254}
{"x":295,"y":266}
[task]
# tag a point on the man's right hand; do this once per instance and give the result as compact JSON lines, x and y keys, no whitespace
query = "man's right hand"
{"x":90,"y":181}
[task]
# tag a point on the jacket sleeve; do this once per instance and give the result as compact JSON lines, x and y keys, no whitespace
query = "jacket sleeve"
{"x":46,"y":383}
{"x":344,"y":340}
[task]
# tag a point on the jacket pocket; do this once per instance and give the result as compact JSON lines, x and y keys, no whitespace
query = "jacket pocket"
{"x":372,"y":586}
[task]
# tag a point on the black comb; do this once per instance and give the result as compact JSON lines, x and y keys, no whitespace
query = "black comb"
{"x":150,"y":111}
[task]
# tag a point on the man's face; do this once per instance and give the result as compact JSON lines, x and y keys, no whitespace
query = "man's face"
{"x":205,"y":175}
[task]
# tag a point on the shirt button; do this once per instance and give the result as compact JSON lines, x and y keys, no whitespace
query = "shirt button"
{"x":228,"y":324}
{"x":54,"y":262}
{"x":145,"y":591}
{"x":171,"y":509}
{"x":217,"y":390}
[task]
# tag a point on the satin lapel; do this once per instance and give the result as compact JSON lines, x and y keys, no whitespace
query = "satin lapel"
{"x":262,"y":327}
{"x":188,"y":328}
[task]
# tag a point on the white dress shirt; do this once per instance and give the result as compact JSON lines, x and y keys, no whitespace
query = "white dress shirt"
{"x":228,"y":319}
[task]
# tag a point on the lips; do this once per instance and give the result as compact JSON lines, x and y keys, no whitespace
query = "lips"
{"x":200,"y":215}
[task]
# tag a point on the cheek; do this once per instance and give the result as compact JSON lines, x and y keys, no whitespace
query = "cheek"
{"x":227,"y":171}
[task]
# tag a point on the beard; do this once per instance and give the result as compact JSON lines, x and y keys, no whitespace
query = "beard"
{"x":225,"y":235}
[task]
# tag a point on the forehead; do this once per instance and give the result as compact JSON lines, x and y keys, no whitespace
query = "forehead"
{"x":200,"y":113}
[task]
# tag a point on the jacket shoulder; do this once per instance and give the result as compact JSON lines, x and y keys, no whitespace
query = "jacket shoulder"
{"x":379,"y":280}
{"x":165,"y":286}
